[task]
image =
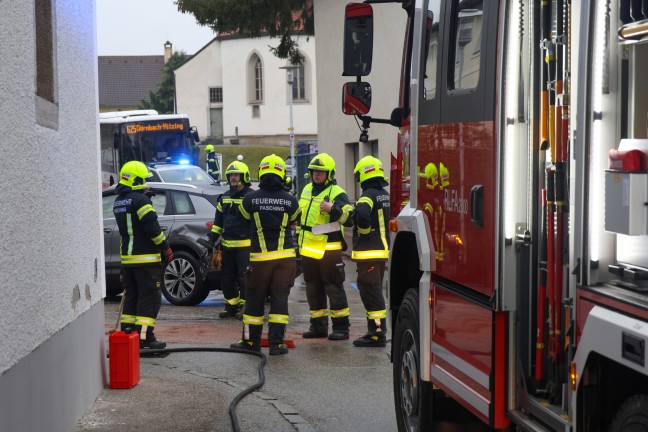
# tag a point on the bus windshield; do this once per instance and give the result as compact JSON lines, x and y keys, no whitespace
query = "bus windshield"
{"x":156,"y":141}
{"x":147,"y":137}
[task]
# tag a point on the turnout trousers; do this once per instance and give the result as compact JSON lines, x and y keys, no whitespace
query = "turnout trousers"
{"x":325,"y":279}
{"x":142,"y":297}
{"x":370,"y":277}
{"x":234,"y":277}
{"x":272,"y":278}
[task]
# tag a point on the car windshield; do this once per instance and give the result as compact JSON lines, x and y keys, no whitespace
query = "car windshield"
{"x":186,"y":175}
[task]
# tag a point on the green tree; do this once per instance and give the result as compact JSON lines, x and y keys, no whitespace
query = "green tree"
{"x":162,"y":99}
{"x":281,"y":19}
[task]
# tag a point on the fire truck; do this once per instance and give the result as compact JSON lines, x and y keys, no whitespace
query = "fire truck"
{"x":518,"y":273}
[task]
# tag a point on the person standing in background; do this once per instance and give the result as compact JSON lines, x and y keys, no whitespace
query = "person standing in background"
{"x":212,"y":163}
{"x":234,"y":229}
{"x":371,"y":247}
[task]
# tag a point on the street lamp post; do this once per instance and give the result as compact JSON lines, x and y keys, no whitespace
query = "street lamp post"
{"x":290,"y":79}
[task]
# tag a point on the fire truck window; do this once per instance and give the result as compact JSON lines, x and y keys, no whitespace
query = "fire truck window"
{"x":468,"y":24}
{"x":431,"y":49}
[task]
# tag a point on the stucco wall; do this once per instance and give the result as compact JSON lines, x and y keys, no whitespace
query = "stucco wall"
{"x":334,"y":128}
{"x":193,"y":80}
{"x":231,"y":65}
{"x":51,"y":256}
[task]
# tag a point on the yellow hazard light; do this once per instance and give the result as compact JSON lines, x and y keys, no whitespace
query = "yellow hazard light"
{"x":573,"y":374}
{"x":393,"y":225}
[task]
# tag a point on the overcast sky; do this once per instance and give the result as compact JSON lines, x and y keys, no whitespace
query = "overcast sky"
{"x":141,"y":27}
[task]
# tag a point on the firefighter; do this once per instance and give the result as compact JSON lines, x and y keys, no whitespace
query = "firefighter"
{"x":271,"y":211}
{"x":371,"y":247}
{"x":324,"y":205}
{"x":142,"y":240}
{"x":235,"y":232}
{"x":212,"y":163}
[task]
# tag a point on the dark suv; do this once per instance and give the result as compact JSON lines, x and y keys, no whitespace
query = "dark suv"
{"x":185,"y":213}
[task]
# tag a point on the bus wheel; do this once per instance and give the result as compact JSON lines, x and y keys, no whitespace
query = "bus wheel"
{"x":632,"y":416}
{"x":412,"y":397}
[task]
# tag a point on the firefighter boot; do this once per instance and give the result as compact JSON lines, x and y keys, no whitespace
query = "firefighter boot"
{"x":252,"y":342}
{"x":376,"y":336}
{"x":150,"y":341}
{"x":276,"y":334}
{"x":230,"y":311}
{"x":318,"y":328}
{"x":340,"y":328}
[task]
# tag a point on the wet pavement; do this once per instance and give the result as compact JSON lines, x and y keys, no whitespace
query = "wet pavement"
{"x":320,"y":385}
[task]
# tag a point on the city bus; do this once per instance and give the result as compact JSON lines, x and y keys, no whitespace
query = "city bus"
{"x":146,"y":136}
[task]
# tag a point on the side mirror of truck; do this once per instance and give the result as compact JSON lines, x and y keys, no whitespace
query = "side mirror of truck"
{"x":356,"y":98}
{"x":358,"y":39}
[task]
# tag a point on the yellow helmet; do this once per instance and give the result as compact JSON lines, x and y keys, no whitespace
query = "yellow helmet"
{"x":323,"y":162}
{"x":209,"y":148}
{"x":432,"y":175}
{"x":134,"y":174}
{"x":237,"y":167}
{"x":368,"y":167}
{"x":445,"y":175}
{"x":272,"y":164}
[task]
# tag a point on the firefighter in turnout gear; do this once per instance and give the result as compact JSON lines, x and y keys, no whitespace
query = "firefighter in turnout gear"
{"x":324,"y":207}
{"x":212,"y":163}
{"x":271,"y":211}
{"x":142,"y":242}
{"x":371,"y":247}
{"x":235,"y":232}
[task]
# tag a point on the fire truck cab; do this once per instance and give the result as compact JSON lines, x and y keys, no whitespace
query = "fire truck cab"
{"x":518,"y":272}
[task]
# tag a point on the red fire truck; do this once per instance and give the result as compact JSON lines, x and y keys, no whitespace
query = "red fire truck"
{"x":518,"y":271}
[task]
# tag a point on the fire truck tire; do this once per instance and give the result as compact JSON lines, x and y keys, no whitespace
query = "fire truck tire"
{"x":632,"y":416}
{"x":413,"y":397}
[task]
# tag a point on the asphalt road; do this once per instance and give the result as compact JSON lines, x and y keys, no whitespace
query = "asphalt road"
{"x":320,"y":385}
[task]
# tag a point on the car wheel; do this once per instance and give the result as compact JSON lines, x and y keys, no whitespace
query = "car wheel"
{"x":183,"y":282}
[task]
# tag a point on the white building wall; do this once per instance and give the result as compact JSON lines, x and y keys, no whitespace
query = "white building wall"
{"x":195,"y":77}
{"x":52,"y":359}
{"x":193,"y":80}
{"x":336,"y":130}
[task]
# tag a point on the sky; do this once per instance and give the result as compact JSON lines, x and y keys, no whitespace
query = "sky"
{"x":141,"y":27}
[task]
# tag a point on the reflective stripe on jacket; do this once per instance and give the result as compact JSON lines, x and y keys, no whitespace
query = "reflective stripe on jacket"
{"x":141,"y":236}
{"x":315,"y":245}
{"x":272,"y":211}
{"x":371,"y":218}
{"x":229,"y":222}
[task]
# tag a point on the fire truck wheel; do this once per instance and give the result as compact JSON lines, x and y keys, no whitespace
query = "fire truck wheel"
{"x":183,"y":284}
{"x":632,"y":416}
{"x":413,"y":397}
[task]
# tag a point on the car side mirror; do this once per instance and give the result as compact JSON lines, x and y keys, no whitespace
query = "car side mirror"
{"x":356,"y":98}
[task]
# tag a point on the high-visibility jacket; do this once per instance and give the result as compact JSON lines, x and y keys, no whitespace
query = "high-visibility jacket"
{"x":271,"y":212}
{"x":371,"y":218}
{"x":212,"y":166}
{"x":141,"y":236}
{"x":315,"y":245}
{"x":229,"y":222}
